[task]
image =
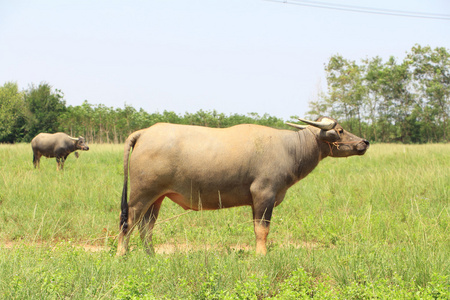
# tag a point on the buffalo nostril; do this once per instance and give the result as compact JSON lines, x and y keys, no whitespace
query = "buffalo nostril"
{"x":366,"y":142}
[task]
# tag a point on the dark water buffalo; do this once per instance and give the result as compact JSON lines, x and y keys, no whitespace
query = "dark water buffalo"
{"x":58,"y":145}
{"x":205,"y":168}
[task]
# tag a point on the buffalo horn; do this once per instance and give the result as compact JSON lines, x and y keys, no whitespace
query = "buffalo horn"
{"x":72,"y":138}
{"x":296,"y":125}
{"x":325,"y":124}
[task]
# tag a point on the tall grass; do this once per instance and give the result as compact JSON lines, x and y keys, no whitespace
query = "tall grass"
{"x":361,"y":227}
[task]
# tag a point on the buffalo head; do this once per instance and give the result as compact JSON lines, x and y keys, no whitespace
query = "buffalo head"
{"x":80,"y":144}
{"x":329,"y":134}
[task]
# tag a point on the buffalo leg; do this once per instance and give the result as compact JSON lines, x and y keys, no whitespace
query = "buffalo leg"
{"x":60,"y":163}
{"x":137,"y":208}
{"x":36,"y":159}
{"x":124,"y":236}
{"x":262,"y":213}
{"x":147,"y":224}
{"x":63,"y":159}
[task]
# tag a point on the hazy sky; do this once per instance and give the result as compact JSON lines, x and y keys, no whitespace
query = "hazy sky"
{"x":234,"y":56}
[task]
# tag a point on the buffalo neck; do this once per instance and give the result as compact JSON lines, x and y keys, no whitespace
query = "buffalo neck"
{"x":308,"y":152}
{"x":73,"y":146}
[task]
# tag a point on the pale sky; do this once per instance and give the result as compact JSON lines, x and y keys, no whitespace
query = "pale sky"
{"x":234,"y":56}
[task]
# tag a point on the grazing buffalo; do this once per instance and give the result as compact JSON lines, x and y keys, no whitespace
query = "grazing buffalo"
{"x":58,"y":145}
{"x":205,"y":168}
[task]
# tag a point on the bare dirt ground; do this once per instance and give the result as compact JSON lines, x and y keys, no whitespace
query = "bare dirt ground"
{"x":159,"y":249}
{"x":166,"y":248}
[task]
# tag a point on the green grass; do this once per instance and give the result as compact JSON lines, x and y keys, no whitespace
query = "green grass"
{"x":375,"y":226}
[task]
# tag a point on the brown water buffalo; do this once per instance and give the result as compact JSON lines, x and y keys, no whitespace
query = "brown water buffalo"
{"x":205,"y":168}
{"x":58,"y":145}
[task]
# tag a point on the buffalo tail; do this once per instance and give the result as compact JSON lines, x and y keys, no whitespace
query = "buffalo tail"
{"x":129,"y":144}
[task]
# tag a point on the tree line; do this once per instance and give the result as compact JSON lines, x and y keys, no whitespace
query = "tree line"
{"x":406,"y":102}
{"x":24,"y":114}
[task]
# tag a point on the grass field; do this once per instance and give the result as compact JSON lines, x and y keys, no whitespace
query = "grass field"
{"x":375,"y":226}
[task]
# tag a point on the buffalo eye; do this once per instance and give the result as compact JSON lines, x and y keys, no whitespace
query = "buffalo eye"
{"x":340,"y":130}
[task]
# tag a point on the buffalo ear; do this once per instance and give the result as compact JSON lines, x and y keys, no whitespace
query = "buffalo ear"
{"x":329,"y":136}
{"x":76,"y":154}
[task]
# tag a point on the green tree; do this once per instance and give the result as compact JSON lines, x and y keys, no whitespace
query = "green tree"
{"x":346,"y":91}
{"x":102,"y":121}
{"x":406,"y":101}
{"x":398,"y":100}
{"x":45,"y":107}
{"x":431,"y":69}
{"x":72,"y":121}
{"x":374,"y":96}
{"x":205,"y":118}
{"x":12,"y":113}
